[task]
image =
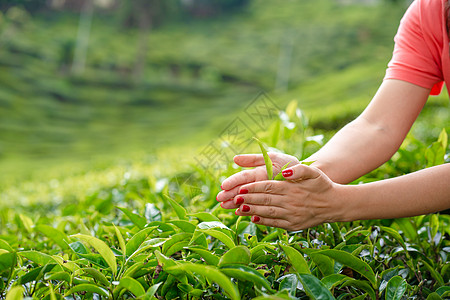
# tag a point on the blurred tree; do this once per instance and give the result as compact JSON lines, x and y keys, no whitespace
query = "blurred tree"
{"x":29,"y":5}
{"x":210,"y":8}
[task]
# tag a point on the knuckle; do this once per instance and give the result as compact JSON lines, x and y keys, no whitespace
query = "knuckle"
{"x":269,"y":187}
{"x":267,"y":200}
{"x":271,"y":211}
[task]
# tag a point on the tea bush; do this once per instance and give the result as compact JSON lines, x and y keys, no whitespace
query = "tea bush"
{"x":166,"y":237}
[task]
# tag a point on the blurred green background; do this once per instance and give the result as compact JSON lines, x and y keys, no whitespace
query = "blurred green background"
{"x":88,"y":84}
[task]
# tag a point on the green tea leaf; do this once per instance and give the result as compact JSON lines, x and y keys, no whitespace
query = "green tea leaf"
{"x":179,"y":210}
{"x":54,"y":234}
{"x":131,"y":285}
{"x":15,"y":293}
{"x":434,"y":296}
{"x":238,"y":255}
{"x":352,"y":262}
{"x":102,"y":249}
{"x":242,"y":272}
{"x":434,"y":273}
{"x":38,"y":257}
{"x":435,"y":153}
{"x":395,"y":288}
{"x":5,"y":245}
{"x":314,"y":288}
{"x":121,"y":240}
{"x":395,"y":235}
{"x":324,"y":263}
{"x":152,"y":291}
{"x":205,"y":217}
{"x":267,"y":160}
{"x":362,"y":285}
{"x":133,"y":244}
{"x":173,"y":240}
{"x":59,"y":276}
{"x":7,"y":261}
{"x":139,"y":221}
{"x":210,"y":258}
{"x":443,"y":290}
{"x":97,"y":275}
{"x":87,"y":287}
{"x":184,"y":225}
{"x":333,"y":280}
{"x":211,"y":274}
{"x":296,"y":259}
{"x":220,"y":236}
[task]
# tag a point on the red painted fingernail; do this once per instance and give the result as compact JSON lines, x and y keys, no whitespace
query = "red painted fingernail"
{"x":239,"y":201}
{"x":245,"y":208}
{"x":255,"y":219}
{"x":243,"y":191}
{"x":287,"y":173}
{"x":235,"y":212}
{"x":221,"y":186}
{"x":221,"y":204}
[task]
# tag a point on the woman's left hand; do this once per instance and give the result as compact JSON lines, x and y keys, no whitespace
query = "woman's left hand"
{"x":307,"y":198}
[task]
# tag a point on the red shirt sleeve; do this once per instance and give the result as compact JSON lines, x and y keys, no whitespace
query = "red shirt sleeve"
{"x":418,"y":46}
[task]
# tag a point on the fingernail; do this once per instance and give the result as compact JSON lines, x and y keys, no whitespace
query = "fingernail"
{"x":255,"y":219}
{"x":245,"y":208}
{"x":235,"y":212}
{"x":243,"y":191}
{"x":221,"y":186}
{"x":221,"y":204}
{"x":287,"y":173}
{"x":239,"y":201}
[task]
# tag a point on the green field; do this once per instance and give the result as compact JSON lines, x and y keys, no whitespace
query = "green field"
{"x":104,"y":189}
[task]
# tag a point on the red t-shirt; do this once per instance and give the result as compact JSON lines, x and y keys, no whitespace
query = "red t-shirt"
{"x":421,"y":54}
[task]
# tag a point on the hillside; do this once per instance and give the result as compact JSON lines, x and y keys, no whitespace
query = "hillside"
{"x":196,"y":76}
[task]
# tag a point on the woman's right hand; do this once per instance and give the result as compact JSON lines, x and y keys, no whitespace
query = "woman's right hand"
{"x":230,"y":186}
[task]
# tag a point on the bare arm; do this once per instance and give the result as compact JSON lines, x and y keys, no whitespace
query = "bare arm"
{"x":372,"y":138}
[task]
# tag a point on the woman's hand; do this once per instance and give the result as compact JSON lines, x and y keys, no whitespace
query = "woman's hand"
{"x":230,"y":186}
{"x":306,"y":199}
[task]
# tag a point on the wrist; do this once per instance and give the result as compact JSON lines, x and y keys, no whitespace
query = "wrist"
{"x":345,"y":203}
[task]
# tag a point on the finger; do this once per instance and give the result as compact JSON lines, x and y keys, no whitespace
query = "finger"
{"x":280,"y":223}
{"x":259,"y":199}
{"x":267,"y":187}
{"x":227,"y":195}
{"x":229,"y":204}
{"x":249,"y":160}
{"x":243,"y":177}
{"x":262,"y":211}
{"x":301,"y":172}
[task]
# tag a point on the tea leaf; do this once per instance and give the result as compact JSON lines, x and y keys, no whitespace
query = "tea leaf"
{"x":238,"y":255}
{"x":206,"y":255}
{"x":211,"y":274}
{"x":179,"y":210}
{"x":102,"y":249}
{"x":97,"y":275}
{"x":395,"y":288}
{"x":314,"y":288}
{"x":131,"y":285}
{"x":242,"y":272}
{"x":15,"y":293}
{"x":87,"y":287}
{"x":296,"y":259}
{"x":139,"y":221}
{"x":280,"y":176}
{"x":352,"y":262}
{"x":121,"y":240}
{"x":363,"y":285}
{"x":133,"y":244}
{"x":220,"y":236}
{"x":267,"y":160}
{"x":395,"y":235}
{"x":54,"y":234}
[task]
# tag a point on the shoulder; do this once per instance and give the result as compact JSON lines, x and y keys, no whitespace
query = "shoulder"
{"x":428,"y":14}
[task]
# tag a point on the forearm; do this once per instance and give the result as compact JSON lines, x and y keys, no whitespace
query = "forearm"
{"x":417,"y":193}
{"x":373,"y":137}
{"x":355,"y":150}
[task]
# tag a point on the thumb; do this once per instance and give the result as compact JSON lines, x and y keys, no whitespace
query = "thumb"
{"x":249,"y":160}
{"x":300,"y":172}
